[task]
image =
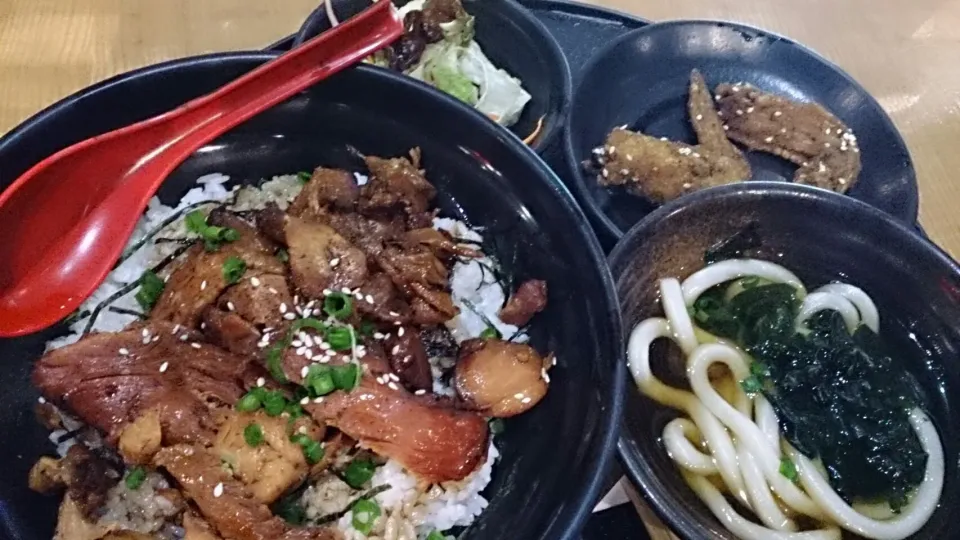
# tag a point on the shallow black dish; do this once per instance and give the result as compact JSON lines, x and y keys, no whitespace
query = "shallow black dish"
{"x":515,"y":41}
{"x":641,"y":80}
{"x":552,"y":458}
{"x":822,"y":236}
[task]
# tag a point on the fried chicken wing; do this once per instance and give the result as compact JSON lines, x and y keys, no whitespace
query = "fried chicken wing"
{"x":804,"y":133}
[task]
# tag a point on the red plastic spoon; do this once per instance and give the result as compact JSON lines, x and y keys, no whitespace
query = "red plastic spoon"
{"x":65,"y":222}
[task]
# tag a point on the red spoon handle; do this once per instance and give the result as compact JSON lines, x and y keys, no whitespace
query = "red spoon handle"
{"x":207,"y":117}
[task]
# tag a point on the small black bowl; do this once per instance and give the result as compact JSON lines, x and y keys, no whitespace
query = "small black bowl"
{"x":513,"y":40}
{"x":553,"y":456}
{"x":821,"y":236}
{"x":642,"y":79}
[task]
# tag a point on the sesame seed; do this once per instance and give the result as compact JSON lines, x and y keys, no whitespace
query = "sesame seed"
{"x":261,"y":381}
{"x":145,"y":332}
{"x":380,"y":380}
{"x":739,"y":112}
{"x":393,"y":386}
{"x":726,"y":127}
{"x":195,"y":345}
{"x":368,"y":298}
{"x":155,"y":339}
{"x":842,"y":181}
{"x":525,"y":400}
{"x":184,"y":337}
{"x":377,"y":335}
{"x":283,"y":307}
{"x":296,"y":343}
{"x":826,"y":145}
{"x":164,"y":366}
{"x":301,"y":350}
{"x":318,"y":400}
{"x":518,"y":396}
{"x":358,"y":296}
{"x":400,"y":332}
{"x":685,"y":151}
{"x":624,"y":172}
{"x":544,"y":376}
{"x":345,"y":290}
{"x":554,"y":362}
{"x":696,"y":155}
{"x":395,"y":349}
{"x":324,"y":346}
{"x":331,"y":353}
{"x":334,"y":262}
{"x":393,"y":314}
{"x":420,"y":392}
{"x":255,"y":281}
{"x":822,"y":167}
{"x":304,"y":371}
{"x":777,"y":114}
{"x":289,"y":316}
{"x":327,"y":292}
{"x":274,"y":291}
{"x":393,"y":376}
{"x":218,"y":490}
{"x":827,"y":131}
{"x":203,"y":325}
{"x":308,"y":354}
{"x":304,"y":401}
{"x":699,"y":117}
{"x":663,"y":138}
{"x":124,"y":351}
{"x":175,"y":329}
{"x":749,"y":110}
{"x":718,"y":97}
{"x":687,"y":185}
{"x":303,"y":429}
{"x":146,"y":340}
{"x":41,"y":400}
{"x":783,"y":130}
{"x":361,"y":354}
{"x":629,"y":157}
{"x":768,"y":139}
{"x":203,"y":285}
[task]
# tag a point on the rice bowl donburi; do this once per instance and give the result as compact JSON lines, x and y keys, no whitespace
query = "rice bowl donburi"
{"x":317,"y":357}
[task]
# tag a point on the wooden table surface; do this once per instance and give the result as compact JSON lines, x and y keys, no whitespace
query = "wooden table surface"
{"x":906,"y":53}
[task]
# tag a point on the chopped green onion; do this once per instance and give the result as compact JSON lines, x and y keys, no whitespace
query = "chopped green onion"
{"x":759,"y":369}
{"x":249,"y":402}
{"x":359,"y":472}
{"x":309,"y":322}
{"x":340,"y":338}
{"x":304,"y":176}
{"x":436,"y":535}
{"x":275,"y":362}
{"x":274,"y":403}
{"x":367,"y":328}
{"x":135,"y":477}
{"x":789,"y":470}
{"x":283,"y":255}
{"x":751,"y":385}
{"x":346,"y":377}
{"x":338,"y":305}
{"x":229,"y":235}
{"x":312,"y":450}
{"x":233,"y":269}
{"x":253,"y":434}
{"x":497,"y":426}
{"x":365,"y":514}
{"x":490,"y":333}
{"x":151,"y":287}
{"x":294,"y":410}
{"x":319,"y":380}
{"x":196,"y":222}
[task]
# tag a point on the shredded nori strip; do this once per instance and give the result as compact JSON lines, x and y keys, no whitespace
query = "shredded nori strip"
{"x":131,"y":312}
{"x":842,"y":398}
{"x":129,"y":287}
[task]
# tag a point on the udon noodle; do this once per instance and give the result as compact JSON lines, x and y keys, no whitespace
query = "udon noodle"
{"x":733,"y":439}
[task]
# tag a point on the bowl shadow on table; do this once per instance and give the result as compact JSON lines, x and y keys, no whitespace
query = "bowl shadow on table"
{"x":552,"y":457}
{"x":822,"y":237}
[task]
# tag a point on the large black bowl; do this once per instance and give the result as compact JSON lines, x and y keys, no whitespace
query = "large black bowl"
{"x":514,"y":40}
{"x":641,"y":79}
{"x":821,"y":236}
{"x":548,"y":477}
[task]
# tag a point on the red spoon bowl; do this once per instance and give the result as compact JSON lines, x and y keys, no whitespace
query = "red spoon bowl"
{"x":66,"y":220}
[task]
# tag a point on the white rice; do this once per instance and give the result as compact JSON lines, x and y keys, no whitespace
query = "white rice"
{"x":412,"y":510}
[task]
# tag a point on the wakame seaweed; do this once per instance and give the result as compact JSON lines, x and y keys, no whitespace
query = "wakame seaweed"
{"x":842,"y":398}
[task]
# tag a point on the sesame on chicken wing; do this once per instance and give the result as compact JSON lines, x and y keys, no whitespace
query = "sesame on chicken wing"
{"x":806,"y":134}
{"x":662,"y":170}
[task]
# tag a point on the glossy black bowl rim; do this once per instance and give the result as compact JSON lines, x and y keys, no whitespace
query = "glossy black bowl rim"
{"x":634,"y":463}
{"x":517,"y":12}
{"x":575,"y":168}
{"x":567,"y":525}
